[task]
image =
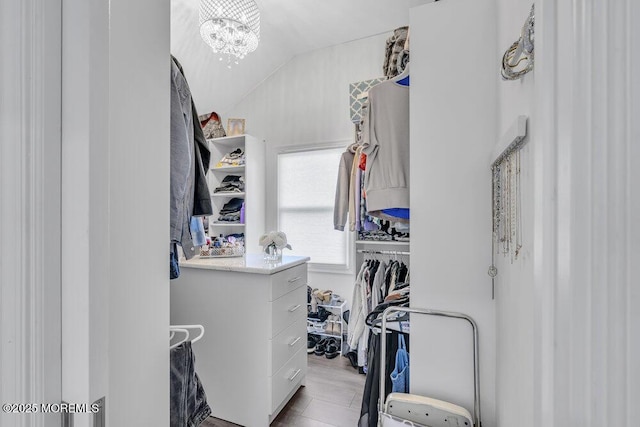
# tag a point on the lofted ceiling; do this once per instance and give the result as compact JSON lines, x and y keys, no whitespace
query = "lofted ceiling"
{"x":288,"y":28}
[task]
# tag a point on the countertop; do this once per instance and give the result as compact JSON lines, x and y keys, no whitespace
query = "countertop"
{"x":249,"y":263}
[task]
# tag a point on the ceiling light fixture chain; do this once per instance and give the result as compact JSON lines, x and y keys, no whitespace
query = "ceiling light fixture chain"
{"x":230,"y":27}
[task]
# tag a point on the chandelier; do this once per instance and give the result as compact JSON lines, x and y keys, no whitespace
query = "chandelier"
{"x":230,"y":27}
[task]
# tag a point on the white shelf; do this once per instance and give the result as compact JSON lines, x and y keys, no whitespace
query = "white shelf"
{"x":324,"y":334}
{"x":341,"y":305}
{"x":228,"y":140}
{"x":221,"y":224}
{"x":228,"y":194}
{"x":382,"y":242}
{"x":229,"y":169}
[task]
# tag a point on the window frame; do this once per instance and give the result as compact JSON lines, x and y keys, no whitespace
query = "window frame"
{"x":349,"y":262}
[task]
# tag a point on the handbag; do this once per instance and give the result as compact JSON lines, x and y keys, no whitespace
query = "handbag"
{"x":400,"y":374}
{"x":212,"y":126}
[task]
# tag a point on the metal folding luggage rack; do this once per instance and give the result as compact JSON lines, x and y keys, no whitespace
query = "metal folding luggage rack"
{"x":409,"y":409}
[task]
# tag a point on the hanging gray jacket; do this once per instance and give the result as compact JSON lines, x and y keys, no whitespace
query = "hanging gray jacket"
{"x":182,"y":162}
{"x":201,"y":198}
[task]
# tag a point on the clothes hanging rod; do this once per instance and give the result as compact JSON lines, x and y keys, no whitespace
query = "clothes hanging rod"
{"x":366,"y":251}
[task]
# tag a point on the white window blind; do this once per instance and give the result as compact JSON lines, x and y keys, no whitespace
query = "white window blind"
{"x":306,"y":195}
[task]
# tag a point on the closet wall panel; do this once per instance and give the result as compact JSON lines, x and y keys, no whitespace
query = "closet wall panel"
{"x":453,"y":131}
{"x":514,"y":284}
{"x":138,"y":290}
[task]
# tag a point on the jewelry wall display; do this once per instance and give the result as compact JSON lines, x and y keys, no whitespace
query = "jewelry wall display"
{"x":506,"y":195}
{"x":507,"y":206}
{"x":518,"y":59}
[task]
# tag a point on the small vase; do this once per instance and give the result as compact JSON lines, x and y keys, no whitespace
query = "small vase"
{"x":272,"y":254}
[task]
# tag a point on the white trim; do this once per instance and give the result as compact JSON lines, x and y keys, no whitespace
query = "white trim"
{"x":30,"y":213}
{"x":544,"y":212}
{"x":313,"y":146}
{"x":586,"y":204}
{"x":348,"y":267}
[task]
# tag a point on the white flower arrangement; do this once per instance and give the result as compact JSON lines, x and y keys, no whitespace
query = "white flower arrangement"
{"x":274,"y":238}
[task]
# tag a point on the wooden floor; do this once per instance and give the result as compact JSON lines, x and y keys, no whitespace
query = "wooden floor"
{"x":332,"y":397}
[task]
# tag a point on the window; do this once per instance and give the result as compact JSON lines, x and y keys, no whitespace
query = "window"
{"x":306,"y":195}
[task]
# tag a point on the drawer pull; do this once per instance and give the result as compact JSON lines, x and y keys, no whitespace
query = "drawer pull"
{"x":295,"y":375}
{"x":294,"y":308}
{"x":295,"y":279}
{"x":291,"y":344}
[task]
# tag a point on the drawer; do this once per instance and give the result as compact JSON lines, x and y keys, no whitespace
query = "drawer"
{"x":288,"y":309}
{"x":288,"y":280}
{"x":288,"y":378}
{"x":284,"y":345}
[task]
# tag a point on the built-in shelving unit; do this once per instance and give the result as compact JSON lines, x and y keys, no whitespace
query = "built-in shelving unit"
{"x":253,"y":173}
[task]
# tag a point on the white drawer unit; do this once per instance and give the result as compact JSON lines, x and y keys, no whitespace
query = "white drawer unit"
{"x":287,"y":281}
{"x":254,"y":315}
{"x":288,"y":309}
{"x":288,"y":378}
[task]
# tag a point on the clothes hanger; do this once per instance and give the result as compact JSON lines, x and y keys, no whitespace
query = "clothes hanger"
{"x":172,"y":333}
{"x":373,"y":318}
{"x":184,"y":329}
{"x":402,"y":78}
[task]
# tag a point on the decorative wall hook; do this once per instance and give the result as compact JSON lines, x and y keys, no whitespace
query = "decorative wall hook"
{"x":518,"y":59}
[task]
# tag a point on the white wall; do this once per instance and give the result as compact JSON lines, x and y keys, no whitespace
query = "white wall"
{"x":587,"y":239}
{"x":307,"y":102}
{"x":85,"y":183}
{"x":30,"y":283}
{"x":139,"y":68}
{"x":514,"y":283}
{"x":453,"y":131}
{"x":115,"y":206}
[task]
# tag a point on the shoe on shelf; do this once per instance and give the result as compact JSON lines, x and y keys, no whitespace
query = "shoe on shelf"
{"x":322,"y":314}
{"x":310,"y":326}
{"x":326,"y":296}
{"x":314,"y":301}
{"x":337,"y":327}
{"x":334,"y":325}
{"x":331,"y":349}
{"x":329,"y":328}
{"x":322,"y":296}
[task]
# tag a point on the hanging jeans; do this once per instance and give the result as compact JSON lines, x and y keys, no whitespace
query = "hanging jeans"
{"x":188,"y":401}
{"x":174,"y":265}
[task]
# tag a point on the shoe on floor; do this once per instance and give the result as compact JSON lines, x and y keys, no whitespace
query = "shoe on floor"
{"x":321,"y":347}
{"x":331,"y":348}
{"x":312,"y":340}
{"x":353,"y":358}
